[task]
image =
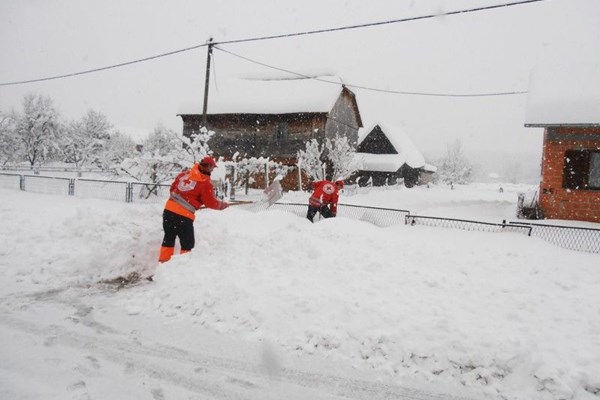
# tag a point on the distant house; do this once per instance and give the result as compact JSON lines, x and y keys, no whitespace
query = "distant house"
{"x":564,"y":99}
{"x":386,"y":155}
{"x":276,"y":118}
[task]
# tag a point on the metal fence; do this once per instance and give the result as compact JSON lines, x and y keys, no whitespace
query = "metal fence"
{"x":573,"y":238}
{"x":87,"y":188}
{"x":467,"y":225}
{"x":569,"y":237}
{"x":49,"y":185}
{"x":149,"y":192}
{"x":10,"y":181}
{"x":376,"y":215}
{"x":100,"y":189}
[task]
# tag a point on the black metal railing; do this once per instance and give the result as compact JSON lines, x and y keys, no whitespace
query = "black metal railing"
{"x":378,"y":216}
{"x":467,"y":225}
{"x":569,"y":237}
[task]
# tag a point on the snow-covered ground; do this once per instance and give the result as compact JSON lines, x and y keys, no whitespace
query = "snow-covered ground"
{"x":270,"y":306}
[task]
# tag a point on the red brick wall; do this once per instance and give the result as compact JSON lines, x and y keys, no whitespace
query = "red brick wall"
{"x":556,"y":201}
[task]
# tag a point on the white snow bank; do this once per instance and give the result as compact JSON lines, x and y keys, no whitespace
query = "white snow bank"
{"x":509,"y":314}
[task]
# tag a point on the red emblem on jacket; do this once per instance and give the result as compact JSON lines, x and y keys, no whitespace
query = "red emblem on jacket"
{"x":325,"y":193}
{"x":190,"y":190}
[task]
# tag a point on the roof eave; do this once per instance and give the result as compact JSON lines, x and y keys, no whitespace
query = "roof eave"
{"x":563,"y":125}
{"x":252,"y":113}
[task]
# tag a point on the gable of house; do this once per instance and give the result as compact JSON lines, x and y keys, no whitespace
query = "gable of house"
{"x":376,"y":142}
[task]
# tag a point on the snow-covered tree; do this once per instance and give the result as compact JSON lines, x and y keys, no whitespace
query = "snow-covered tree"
{"x":454,"y":166}
{"x":335,"y":160}
{"x":10,"y":146}
{"x":340,"y":154}
{"x":161,"y":141}
{"x":246,"y":169}
{"x":85,"y":140}
{"x":196,"y":146}
{"x":37,"y":127}
{"x":165,"y":154}
{"x":116,"y":149}
{"x":310,"y":160}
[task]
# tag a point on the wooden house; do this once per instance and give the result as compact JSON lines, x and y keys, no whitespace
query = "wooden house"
{"x":564,"y":100}
{"x":276,"y":118}
{"x":386,"y":155}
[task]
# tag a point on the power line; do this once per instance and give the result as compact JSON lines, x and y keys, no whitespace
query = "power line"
{"x":394,"y":21}
{"x":273,"y":37}
{"x":372,"y":88}
{"x":89,"y":71}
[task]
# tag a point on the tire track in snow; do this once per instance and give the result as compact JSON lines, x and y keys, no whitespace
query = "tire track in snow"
{"x":216,"y":377}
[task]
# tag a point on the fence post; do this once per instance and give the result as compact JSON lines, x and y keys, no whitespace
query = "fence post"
{"x":71,"y":187}
{"x":22,"y":182}
{"x":129,"y":192}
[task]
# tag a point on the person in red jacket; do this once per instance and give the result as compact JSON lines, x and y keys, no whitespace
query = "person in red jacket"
{"x":190,"y":190}
{"x":324,"y":199}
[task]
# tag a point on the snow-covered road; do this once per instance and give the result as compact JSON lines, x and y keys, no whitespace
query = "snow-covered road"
{"x":70,"y":344}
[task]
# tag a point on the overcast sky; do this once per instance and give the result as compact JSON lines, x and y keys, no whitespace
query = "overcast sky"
{"x":480,"y":52}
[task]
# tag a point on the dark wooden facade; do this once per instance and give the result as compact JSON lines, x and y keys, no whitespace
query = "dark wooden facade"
{"x":377,"y":142}
{"x":278,"y":137}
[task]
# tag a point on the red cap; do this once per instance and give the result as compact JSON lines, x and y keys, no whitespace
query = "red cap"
{"x":208,"y":160}
{"x":340,"y":183}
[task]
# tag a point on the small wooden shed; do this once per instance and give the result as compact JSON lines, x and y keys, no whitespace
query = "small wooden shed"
{"x":386,"y":154}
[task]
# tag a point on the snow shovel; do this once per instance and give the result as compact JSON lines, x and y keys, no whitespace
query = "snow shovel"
{"x":272,"y":193}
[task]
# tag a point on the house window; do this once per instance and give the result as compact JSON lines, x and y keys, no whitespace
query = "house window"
{"x":581,"y":169}
{"x":594,"y":180}
{"x":282,"y":130}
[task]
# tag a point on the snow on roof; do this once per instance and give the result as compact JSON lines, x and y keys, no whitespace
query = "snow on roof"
{"x":275,"y":96}
{"x":379,"y":162}
{"x":564,"y":87}
{"x":407,"y":152}
{"x":429,"y":167}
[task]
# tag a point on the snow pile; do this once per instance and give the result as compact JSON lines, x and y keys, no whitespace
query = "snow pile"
{"x":510,"y":315}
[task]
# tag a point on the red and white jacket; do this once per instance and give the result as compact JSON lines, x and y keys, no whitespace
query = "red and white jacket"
{"x":324,"y":193}
{"x":191,"y":190}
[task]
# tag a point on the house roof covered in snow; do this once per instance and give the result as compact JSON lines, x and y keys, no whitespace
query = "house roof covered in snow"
{"x":270,"y":96}
{"x":407,"y":152}
{"x":564,"y":87}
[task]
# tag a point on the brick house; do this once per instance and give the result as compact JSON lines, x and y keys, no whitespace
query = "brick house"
{"x":565,"y":102}
{"x":276,"y":118}
{"x":386,"y":155}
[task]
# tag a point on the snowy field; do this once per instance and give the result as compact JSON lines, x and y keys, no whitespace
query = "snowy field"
{"x":270,"y":306}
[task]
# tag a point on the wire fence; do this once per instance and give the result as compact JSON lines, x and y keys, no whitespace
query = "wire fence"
{"x":48,"y":185}
{"x":569,"y":237}
{"x":106,"y":190}
{"x":130,"y":192}
{"x":378,"y":216}
{"x":467,"y":225}
{"x":10,"y":181}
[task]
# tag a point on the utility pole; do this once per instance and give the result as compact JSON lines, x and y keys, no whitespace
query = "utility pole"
{"x":206,"y":82}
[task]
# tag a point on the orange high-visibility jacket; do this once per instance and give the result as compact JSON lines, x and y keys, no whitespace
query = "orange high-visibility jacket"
{"x":190,"y":190}
{"x":325,"y":192}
